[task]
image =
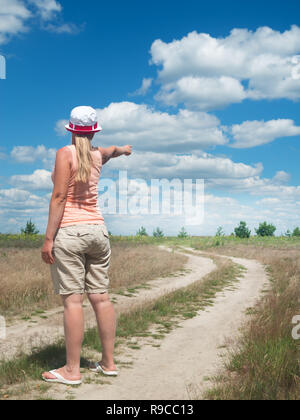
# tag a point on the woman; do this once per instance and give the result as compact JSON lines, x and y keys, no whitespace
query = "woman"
{"x":77,"y":246}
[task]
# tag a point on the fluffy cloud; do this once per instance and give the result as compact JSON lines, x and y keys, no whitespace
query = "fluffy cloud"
{"x":146,"y":84}
{"x":29,"y":154}
{"x":268,"y":201}
{"x":39,"y":180}
{"x":47,"y":9}
{"x":201,"y":166}
{"x":255,"y":133}
{"x":204,"y":93}
{"x":147,"y":129}
{"x":65,"y":28}
{"x":257,"y":186}
{"x":20,"y":205}
{"x":282,"y":177}
{"x":257,"y":65}
{"x":13,"y":15}
{"x":17,"y":199}
{"x":17,"y":206}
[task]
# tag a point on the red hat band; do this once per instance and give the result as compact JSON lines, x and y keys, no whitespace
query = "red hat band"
{"x":82,"y":128}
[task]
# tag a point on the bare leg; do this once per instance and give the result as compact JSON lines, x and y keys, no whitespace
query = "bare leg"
{"x":74,"y":330}
{"x":105,"y":315}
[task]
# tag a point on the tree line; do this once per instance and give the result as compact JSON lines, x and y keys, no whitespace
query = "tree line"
{"x":241,"y":231}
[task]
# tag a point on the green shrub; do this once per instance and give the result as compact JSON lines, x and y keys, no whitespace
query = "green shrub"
{"x":265,"y":229}
{"x":242,"y":231}
{"x":30,"y":229}
{"x":296,"y":232}
{"x":183,"y":234}
{"x":220,"y":231}
{"x":142,"y":232}
{"x":158,"y":233}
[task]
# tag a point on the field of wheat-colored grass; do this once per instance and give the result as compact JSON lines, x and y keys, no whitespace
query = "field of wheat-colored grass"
{"x":266,"y":362}
{"x":26,"y":284}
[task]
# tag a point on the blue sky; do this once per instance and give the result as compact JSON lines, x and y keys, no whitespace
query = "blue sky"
{"x":221,"y":85}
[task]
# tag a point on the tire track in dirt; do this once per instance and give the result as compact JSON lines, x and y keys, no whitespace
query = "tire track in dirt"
{"x":188,"y":355}
{"x":25,"y":335}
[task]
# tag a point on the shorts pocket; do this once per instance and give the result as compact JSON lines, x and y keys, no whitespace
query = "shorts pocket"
{"x":77,"y":234}
{"x":73,"y":232}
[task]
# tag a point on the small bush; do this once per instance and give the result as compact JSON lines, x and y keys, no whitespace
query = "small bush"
{"x":142,"y":232}
{"x":30,"y":229}
{"x":296,"y":232}
{"x":183,"y":234}
{"x":242,"y":231}
{"x":265,"y":229}
{"x":158,"y":233}
{"x":220,"y":231}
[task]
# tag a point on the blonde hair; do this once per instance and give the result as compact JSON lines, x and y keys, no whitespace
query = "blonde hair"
{"x":84,"y":158}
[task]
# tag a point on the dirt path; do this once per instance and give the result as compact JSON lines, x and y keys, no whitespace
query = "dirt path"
{"x":177,"y":369}
{"x":38,"y":332}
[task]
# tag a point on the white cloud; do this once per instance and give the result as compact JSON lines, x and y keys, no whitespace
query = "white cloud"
{"x":65,"y":28}
{"x":17,"y":206}
{"x":13,"y":15}
{"x":267,"y":62}
{"x":16,"y":15}
{"x":151,"y":130}
{"x":282,"y":177}
{"x":146,"y":84}
{"x":29,"y":154}
{"x":204,"y":93}
{"x":47,"y":9}
{"x":147,"y":129}
{"x":268,"y":201}
{"x":39,"y":180}
{"x":256,"y":133}
{"x":223,"y":211}
{"x":256,"y":186}
{"x":14,"y":199}
{"x":202,"y":166}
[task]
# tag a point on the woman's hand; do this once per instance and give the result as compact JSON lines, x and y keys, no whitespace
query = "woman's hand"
{"x":127,"y":150}
{"x":47,"y":252}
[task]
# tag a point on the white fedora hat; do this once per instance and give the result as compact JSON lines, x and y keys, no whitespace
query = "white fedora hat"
{"x":83,"y":120}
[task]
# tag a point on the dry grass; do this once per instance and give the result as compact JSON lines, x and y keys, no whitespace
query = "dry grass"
{"x":26,"y":284}
{"x":266,"y":363}
{"x":149,"y":322}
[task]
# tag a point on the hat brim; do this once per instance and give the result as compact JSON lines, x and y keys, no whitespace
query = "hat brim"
{"x":72,"y":130}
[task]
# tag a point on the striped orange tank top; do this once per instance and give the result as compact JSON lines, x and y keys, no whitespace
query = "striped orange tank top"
{"x":82,"y":198}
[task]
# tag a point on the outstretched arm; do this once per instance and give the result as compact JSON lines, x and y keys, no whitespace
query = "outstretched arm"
{"x":114,"y":152}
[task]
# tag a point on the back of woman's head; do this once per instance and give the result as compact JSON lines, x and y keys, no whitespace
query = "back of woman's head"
{"x":84,"y":158}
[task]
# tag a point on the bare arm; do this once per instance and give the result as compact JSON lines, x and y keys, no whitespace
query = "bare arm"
{"x":57,"y":202}
{"x":114,"y":152}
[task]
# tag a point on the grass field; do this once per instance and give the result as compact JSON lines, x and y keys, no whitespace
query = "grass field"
{"x":266,"y":362}
{"x":26,"y":284}
{"x":162,"y":315}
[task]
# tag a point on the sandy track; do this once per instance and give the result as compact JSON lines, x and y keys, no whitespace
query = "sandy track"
{"x":177,"y":370}
{"x":27,"y":335}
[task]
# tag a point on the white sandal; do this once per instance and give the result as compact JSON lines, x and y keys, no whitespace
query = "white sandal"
{"x":60,"y":379}
{"x":99,"y":368}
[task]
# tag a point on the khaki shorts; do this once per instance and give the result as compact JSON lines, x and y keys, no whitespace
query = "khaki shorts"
{"x":81,"y":260}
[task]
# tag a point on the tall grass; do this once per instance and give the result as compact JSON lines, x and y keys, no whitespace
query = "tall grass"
{"x":164,"y":312}
{"x":265,"y":365}
{"x":26,"y":284}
